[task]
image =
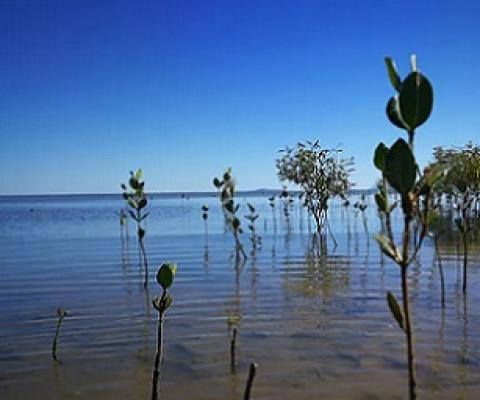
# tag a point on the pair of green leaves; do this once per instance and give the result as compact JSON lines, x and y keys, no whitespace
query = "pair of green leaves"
{"x":397,"y":165}
{"x":413,"y":104}
{"x":165,"y":274}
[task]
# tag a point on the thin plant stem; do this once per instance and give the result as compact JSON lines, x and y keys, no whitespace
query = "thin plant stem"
{"x":159,"y":353}
{"x":251,"y":377}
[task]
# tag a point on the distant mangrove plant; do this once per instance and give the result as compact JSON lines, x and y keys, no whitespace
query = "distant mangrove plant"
{"x":226,"y":188}
{"x":320,"y":175}
{"x":136,"y":199}
{"x":61,"y":314}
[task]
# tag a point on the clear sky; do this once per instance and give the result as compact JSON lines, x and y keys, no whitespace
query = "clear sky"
{"x":183,"y":89}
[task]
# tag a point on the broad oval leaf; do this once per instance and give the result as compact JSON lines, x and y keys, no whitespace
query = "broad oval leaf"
{"x":400,"y":167}
{"x":165,"y":274}
{"x":415,"y":100}
{"x":379,"y":156}
{"x":381,"y":202}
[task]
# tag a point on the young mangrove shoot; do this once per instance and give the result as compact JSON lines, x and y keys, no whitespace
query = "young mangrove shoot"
{"x":408,"y":109}
{"x":136,"y":199}
{"x":255,"y":238}
{"x":165,"y":276}
{"x":226,"y":188}
{"x":61,"y":314}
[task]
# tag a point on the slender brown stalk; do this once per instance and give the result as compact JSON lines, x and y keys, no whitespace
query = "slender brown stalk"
{"x":159,"y":353}
{"x":406,"y":310}
{"x":251,"y":377}
{"x":233,"y":346}
{"x":440,"y":268}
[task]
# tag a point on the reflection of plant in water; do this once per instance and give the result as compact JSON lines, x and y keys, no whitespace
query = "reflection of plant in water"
{"x":320,"y":174}
{"x":407,"y":110}
{"x":165,"y":276}
{"x":255,"y":238}
{"x":325,"y":282}
{"x":137,"y":200}
{"x":61,"y":314}
{"x":251,"y":376}
{"x":226,"y":188}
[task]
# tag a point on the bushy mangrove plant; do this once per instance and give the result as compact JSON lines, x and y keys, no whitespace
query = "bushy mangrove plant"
{"x":320,"y":175}
{"x":165,"y":277}
{"x":226,"y":188}
{"x":61,"y":314}
{"x":462,"y":182}
{"x":409,"y":108}
{"x":136,"y":199}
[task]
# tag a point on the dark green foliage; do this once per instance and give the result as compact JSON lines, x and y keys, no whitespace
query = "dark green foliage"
{"x":400,"y":167}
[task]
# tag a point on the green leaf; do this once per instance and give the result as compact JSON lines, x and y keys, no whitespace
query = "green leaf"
{"x":393,"y":74}
{"x":388,"y":248}
{"x":141,"y":232}
{"x":236,"y":223}
{"x":142,"y":203}
{"x":393,"y":113}
{"x":133,"y":183}
{"x":132,"y":203}
{"x":379,"y":156}
{"x":400,"y":167}
{"x":165,"y":274}
{"x":381,"y":202}
{"x":217,"y":183}
{"x":416,"y":100}
{"x":395,"y":309}
{"x":61,"y":312}
{"x":138,"y":174}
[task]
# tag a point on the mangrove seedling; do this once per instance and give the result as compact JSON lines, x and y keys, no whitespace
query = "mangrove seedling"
{"x":165,"y":276}
{"x":320,"y":174}
{"x":136,"y":199}
{"x":362,"y":206}
{"x":287,"y":202}
{"x":408,"y":109}
{"x":205,"y":221}
{"x":271,"y":202}
{"x":61,"y":314}
{"x":255,"y":238}
{"x":226,"y":188}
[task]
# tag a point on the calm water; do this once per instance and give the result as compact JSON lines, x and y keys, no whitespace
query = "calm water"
{"x":316,"y":331}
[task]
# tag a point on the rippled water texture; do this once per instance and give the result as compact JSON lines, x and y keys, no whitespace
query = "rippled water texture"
{"x":316,"y":330}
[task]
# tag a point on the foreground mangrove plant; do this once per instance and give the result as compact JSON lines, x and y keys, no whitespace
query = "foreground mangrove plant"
{"x":61,"y":314}
{"x":136,"y":199}
{"x":226,"y":188}
{"x":165,"y":276}
{"x":408,"y":109}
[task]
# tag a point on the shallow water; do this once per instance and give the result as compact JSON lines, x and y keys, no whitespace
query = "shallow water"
{"x":316,"y":330}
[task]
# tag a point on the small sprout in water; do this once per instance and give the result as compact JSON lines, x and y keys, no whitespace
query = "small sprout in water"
{"x":61,"y":314}
{"x":165,"y":276}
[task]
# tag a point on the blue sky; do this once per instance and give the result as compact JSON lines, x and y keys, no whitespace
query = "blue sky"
{"x":183,"y":89}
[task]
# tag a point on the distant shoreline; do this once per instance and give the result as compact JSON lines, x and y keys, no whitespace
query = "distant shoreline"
{"x":175,"y":194}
